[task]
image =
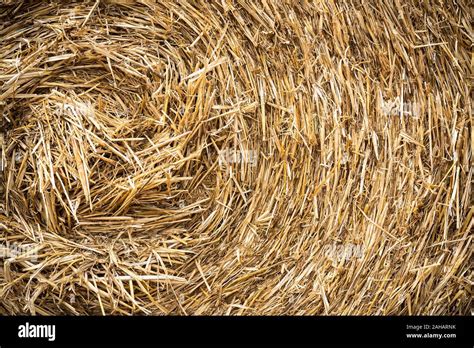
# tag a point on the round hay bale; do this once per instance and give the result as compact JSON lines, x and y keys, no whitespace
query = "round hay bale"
{"x":235,"y":157}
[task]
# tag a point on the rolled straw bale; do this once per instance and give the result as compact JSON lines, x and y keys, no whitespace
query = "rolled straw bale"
{"x":236,"y":157}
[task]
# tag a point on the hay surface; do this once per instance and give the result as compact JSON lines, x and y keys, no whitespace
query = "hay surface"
{"x":236,"y":157}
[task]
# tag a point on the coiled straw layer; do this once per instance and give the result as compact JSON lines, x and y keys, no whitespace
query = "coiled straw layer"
{"x":236,"y":157}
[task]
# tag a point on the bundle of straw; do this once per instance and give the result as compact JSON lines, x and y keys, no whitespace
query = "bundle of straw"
{"x":236,"y":157}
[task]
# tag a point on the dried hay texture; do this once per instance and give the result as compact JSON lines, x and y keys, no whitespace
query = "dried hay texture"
{"x":236,"y":157}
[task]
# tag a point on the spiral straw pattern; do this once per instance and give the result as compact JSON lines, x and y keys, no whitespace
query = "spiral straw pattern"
{"x":236,"y":157}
